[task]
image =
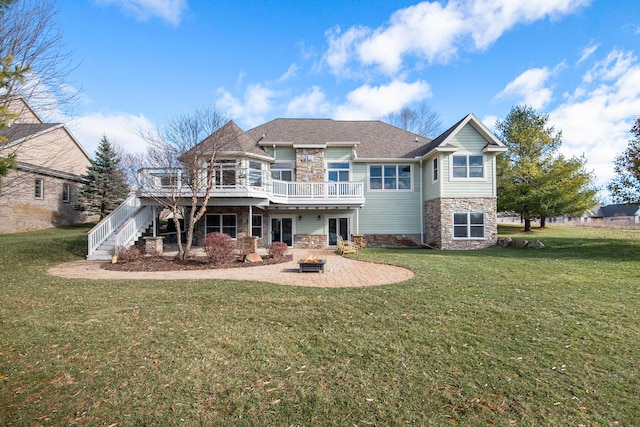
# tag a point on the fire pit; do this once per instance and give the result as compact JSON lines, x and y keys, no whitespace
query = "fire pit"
{"x":311,"y":265}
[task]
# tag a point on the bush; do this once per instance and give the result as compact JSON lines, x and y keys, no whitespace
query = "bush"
{"x":133,"y":254}
{"x":220,"y":248}
{"x":277,"y":250}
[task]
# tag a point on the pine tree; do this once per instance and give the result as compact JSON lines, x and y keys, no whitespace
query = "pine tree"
{"x":105,"y":184}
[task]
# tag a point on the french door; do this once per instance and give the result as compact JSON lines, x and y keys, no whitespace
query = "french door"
{"x":282,"y":230}
{"x":338,"y":227}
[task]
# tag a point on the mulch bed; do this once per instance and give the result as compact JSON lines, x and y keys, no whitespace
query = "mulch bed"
{"x":195,"y":263}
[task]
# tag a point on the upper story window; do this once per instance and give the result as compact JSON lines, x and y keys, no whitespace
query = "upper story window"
{"x":225,"y":172}
{"x":66,"y":193}
{"x":435,"y":169}
{"x":255,"y":173}
{"x":39,"y":188}
{"x":467,"y":166}
{"x":282,"y":171}
{"x":338,"y":171}
{"x":390,"y":177}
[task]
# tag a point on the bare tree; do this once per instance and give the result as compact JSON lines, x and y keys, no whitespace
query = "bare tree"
{"x":30,"y":35}
{"x":184,"y":153}
{"x":422,"y":121}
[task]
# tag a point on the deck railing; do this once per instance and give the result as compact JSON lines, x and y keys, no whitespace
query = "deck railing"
{"x":238,"y":182}
{"x":112,"y":222}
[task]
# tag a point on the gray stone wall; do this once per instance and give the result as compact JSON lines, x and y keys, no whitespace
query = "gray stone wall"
{"x":21,"y":211}
{"x":309,"y":164}
{"x":310,"y":241}
{"x":392,"y":240}
{"x":242,"y":223}
{"x":442,"y":210}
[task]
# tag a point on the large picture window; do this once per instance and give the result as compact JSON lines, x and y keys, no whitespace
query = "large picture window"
{"x":282,"y":171}
{"x":468,"y":166}
{"x":221,"y":223}
{"x":468,"y":225}
{"x":390,"y":177}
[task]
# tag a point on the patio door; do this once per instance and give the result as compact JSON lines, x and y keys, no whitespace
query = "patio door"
{"x":338,"y":227}
{"x":282,"y":230}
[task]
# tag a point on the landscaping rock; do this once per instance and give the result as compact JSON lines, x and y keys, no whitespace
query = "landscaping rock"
{"x":536,"y":245}
{"x":504,"y":241}
{"x":253,"y":258}
{"x":519,"y":243}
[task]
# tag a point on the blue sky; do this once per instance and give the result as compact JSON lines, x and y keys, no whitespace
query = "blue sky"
{"x":141,"y":62}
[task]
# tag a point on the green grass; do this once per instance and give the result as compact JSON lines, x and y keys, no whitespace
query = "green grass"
{"x":501,"y":336}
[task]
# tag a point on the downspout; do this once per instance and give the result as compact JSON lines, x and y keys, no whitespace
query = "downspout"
{"x":422,"y":218}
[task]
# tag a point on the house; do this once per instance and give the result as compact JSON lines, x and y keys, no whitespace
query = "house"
{"x":307,"y":181}
{"x":40,"y":192}
{"x":623,"y":212}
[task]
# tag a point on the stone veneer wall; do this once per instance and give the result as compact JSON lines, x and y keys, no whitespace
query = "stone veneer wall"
{"x":310,"y":241}
{"x":310,"y":171}
{"x":392,"y":240}
{"x":439,"y":214}
{"x":242,"y":221}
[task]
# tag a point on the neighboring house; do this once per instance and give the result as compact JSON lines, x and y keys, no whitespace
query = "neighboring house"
{"x":307,"y":181}
{"x":624,"y":212}
{"x":41,"y":191}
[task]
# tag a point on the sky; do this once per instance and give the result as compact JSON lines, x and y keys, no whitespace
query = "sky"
{"x":138,"y":63}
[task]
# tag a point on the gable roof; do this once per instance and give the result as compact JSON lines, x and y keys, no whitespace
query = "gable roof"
{"x":622,"y":209}
{"x":442,"y":142}
{"x":230,"y":139}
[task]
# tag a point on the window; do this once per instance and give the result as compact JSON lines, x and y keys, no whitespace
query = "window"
{"x":468,"y":225}
{"x":468,"y":167}
{"x":256,"y":226}
{"x":390,"y":177}
{"x":338,"y":171}
{"x":282,"y":171}
{"x":255,"y":174}
{"x":435,"y":169}
{"x":221,"y":223}
{"x":39,"y":188}
{"x":66,"y":193}
{"x":225,"y":171}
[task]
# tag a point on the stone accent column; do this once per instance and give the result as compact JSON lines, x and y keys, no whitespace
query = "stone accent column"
{"x":478,"y":204}
{"x":154,"y":245}
{"x":309,"y":164}
{"x":359,"y":241}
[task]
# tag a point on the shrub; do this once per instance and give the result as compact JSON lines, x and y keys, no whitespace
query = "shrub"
{"x":220,"y":248}
{"x":277,"y":250}
{"x":133,"y":254}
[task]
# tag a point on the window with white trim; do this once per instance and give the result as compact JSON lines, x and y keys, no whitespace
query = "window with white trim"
{"x":255,"y":173}
{"x":468,"y":225}
{"x":338,"y":171}
{"x":66,"y":193}
{"x":468,"y":166}
{"x":435,"y":169}
{"x":256,"y":226}
{"x":221,"y":223}
{"x":390,"y":177}
{"x":39,"y":188}
{"x":282,"y":171}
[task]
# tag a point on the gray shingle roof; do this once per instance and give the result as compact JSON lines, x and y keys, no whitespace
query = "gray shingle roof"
{"x":376,"y":139}
{"x":19,"y":131}
{"x":612,"y":211}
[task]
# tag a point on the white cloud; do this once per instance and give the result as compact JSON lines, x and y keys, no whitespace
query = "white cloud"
{"x":257,"y":101}
{"x":596,"y":118}
{"x":369,"y":102}
{"x":291,"y":72}
{"x":436,"y":32}
{"x":529,"y":87}
{"x":313,"y":103}
{"x":170,"y":11}
{"x":587,"y":52}
{"x":121,"y":128}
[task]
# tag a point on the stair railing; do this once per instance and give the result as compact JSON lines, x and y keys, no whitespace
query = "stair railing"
{"x":109,"y":224}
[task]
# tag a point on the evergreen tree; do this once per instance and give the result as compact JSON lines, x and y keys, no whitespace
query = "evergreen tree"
{"x":533,"y":181}
{"x":625,"y":187}
{"x":105,"y":184}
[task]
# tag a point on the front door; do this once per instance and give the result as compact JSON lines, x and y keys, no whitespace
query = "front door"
{"x":282,"y":230}
{"x":338,"y":227}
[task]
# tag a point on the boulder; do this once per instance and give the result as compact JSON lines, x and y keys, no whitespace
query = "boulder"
{"x":519,"y":243}
{"x":253,"y":258}
{"x":536,"y":245}
{"x":504,"y":241}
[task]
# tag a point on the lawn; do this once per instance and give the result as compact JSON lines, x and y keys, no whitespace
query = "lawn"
{"x":502,"y":336}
